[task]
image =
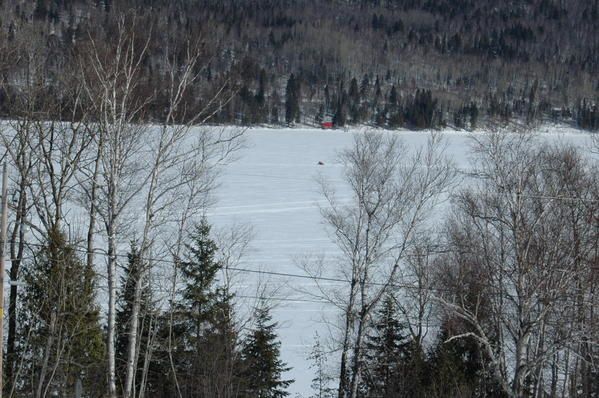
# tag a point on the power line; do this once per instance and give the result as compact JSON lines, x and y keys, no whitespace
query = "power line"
{"x":303,"y":276}
{"x":262,"y":272}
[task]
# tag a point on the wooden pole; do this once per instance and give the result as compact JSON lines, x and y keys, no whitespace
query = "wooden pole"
{"x":3,"y":222}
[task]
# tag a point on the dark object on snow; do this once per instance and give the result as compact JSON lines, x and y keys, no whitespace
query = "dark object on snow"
{"x":320,"y":163}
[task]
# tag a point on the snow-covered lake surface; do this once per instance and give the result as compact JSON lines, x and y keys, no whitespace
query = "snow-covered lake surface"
{"x":272,"y":187}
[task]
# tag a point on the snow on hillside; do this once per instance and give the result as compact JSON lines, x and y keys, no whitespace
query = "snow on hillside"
{"x":272,"y":186}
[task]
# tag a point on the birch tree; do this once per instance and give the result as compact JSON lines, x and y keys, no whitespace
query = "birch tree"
{"x":153,"y":167}
{"x":392,"y":192}
{"x":527,"y":228}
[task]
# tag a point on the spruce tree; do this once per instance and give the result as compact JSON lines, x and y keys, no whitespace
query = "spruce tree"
{"x":61,"y":336}
{"x":340,"y":116}
{"x":261,"y":359}
{"x":206,"y":340}
{"x":458,"y":367}
{"x":387,"y":351}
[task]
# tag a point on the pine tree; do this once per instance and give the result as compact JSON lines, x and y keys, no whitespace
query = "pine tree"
{"x":340,"y":116}
{"x":365,"y":87}
{"x":327,"y":99}
{"x":458,"y":368}
{"x":377,"y":93}
{"x":199,"y":272}
{"x":261,"y":359}
{"x":393,"y":96}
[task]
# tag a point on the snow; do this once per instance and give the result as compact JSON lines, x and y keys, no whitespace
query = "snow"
{"x":272,"y":186}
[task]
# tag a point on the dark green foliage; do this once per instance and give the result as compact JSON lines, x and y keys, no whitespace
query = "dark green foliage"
{"x":396,"y":365}
{"x":201,"y":330}
{"x":261,"y":359}
{"x":466,"y":116}
{"x":387,"y":353}
{"x":421,"y":111}
{"x":458,"y":367}
{"x":59,"y":322}
{"x":341,"y":107}
{"x":354,"y":102}
{"x":132,"y":272}
{"x":292,"y":106}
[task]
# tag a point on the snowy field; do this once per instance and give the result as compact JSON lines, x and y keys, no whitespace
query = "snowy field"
{"x":273,"y":188}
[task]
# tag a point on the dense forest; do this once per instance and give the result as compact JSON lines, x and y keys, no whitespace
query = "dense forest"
{"x":408,"y":63}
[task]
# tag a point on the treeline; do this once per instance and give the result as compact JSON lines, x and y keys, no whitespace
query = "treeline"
{"x":531,"y":60}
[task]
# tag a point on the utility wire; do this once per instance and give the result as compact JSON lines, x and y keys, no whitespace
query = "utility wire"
{"x":299,"y":276}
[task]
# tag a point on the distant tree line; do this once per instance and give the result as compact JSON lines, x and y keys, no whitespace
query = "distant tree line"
{"x":357,"y":61}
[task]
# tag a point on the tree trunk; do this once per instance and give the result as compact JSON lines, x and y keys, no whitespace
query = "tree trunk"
{"x":357,"y":364}
{"x":111,"y":312}
{"x":46,"y":360}
{"x":16,"y":254}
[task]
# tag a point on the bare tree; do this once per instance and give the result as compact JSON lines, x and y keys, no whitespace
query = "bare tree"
{"x":526,"y":227}
{"x":110,"y":82}
{"x":392,"y":192}
{"x":153,"y":167}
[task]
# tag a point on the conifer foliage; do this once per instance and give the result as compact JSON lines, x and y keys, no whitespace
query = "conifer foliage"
{"x":260,"y":353}
{"x":60,"y":335}
{"x":207,"y":357}
{"x":387,"y":352}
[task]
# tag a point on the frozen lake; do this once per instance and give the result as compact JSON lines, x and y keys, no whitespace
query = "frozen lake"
{"x":273,"y":188}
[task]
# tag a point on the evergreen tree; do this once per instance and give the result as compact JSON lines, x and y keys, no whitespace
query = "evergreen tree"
{"x":62,"y":342}
{"x":393,"y":98}
{"x":205,"y":338}
{"x":377,"y":93}
{"x":458,"y":368}
{"x":340,"y":116}
{"x":365,"y":87}
{"x":354,"y":101}
{"x":199,"y":271}
{"x":261,"y":359}
{"x":387,"y":352}
{"x":292,"y":110}
{"x":275,"y":105}
{"x":260,"y":99}
{"x":125,"y":308}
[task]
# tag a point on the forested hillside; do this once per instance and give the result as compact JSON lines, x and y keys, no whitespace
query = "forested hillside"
{"x":410,"y":63}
